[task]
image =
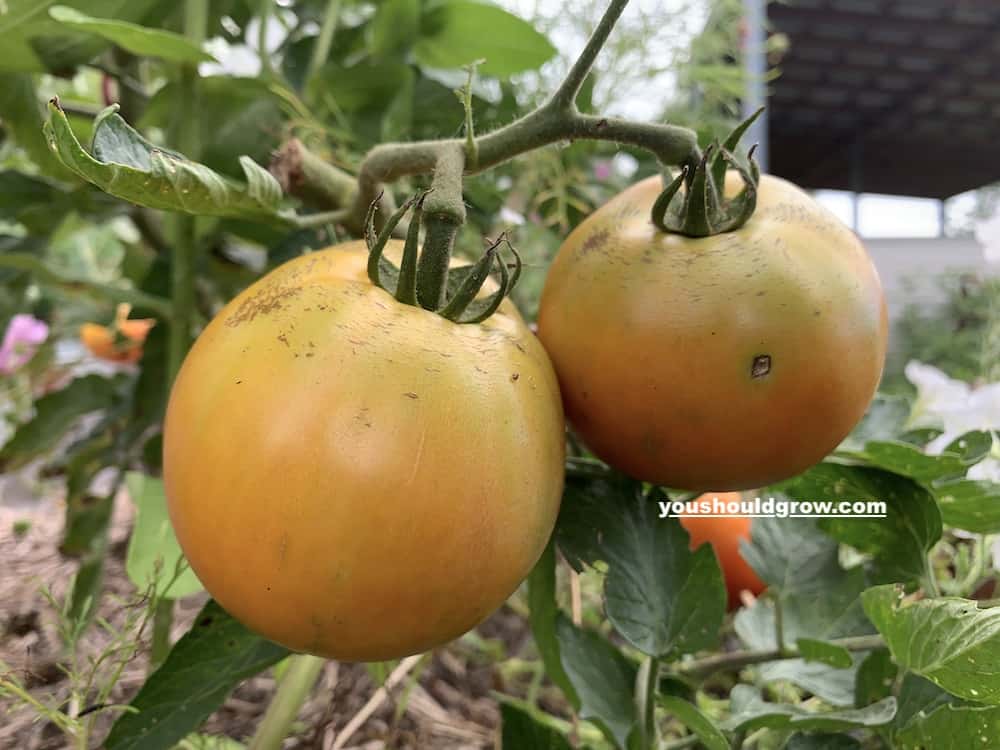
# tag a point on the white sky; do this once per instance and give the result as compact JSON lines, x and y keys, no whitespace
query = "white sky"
{"x":878,"y":215}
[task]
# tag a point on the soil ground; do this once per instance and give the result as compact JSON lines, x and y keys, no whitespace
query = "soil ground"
{"x":447,"y":704}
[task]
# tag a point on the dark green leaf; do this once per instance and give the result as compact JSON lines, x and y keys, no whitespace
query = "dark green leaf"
{"x":822,"y":742}
{"x":55,"y":413}
{"x":459,"y":32}
{"x":521,"y":731}
{"x":543,"y":611}
{"x":791,"y":554}
{"x":898,"y":543}
{"x":200,"y":671}
{"x":972,"y":447}
{"x":133,"y":169}
{"x":970,"y":504}
{"x":949,"y":641}
{"x":602,"y":678}
{"x":750,"y":711}
{"x":700,"y":724}
{"x":919,"y":697}
{"x":884,"y":420}
{"x":663,"y":598}
{"x":875,"y":677}
{"x":825,"y":653}
{"x":137,"y":39}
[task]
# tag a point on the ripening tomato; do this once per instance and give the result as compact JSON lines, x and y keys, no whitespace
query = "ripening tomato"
{"x":122,"y":341}
{"x":726,"y":362}
{"x":724,"y":534}
{"x":355,"y":477}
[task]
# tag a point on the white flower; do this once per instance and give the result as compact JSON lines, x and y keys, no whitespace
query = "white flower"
{"x":956,"y":408}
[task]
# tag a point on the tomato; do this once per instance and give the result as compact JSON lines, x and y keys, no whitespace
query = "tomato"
{"x":726,"y":362}
{"x":358,"y":478}
{"x":724,"y":535}
{"x":122,"y":342}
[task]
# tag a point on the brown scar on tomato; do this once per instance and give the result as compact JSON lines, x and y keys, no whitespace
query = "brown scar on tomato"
{"x":265,"y":301}
{"x":761,"y":366}
{"x":594,"y":241}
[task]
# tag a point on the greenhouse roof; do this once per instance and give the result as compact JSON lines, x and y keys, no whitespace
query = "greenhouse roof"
{"x":887,"y":96}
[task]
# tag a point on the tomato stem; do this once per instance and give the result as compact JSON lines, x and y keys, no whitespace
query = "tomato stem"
{"x":293,"y":689}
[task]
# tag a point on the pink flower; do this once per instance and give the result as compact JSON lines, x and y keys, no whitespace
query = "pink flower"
{"x":602,"y":169}
{"x":23,"y":337}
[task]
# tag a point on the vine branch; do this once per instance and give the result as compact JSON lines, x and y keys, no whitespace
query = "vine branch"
{"x":701,"y":668}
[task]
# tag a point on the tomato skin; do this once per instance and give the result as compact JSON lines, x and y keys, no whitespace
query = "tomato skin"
{"x":724,"y":534}
{"x":354,"y":477}
{"x":654,"y":338}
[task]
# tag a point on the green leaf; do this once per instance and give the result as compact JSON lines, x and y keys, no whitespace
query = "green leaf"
{"x":909,"y":460}
{"x":602,"y":678}
{"x":898,"y":543}
{"x":822,"y":742}
{"x":949,"y":641}
{"x":750,"y":711}
{"x":55,"y":414}
{"x":699,"y":723}
{"x":522,"y":731}
{"x":919,"y":697}
{"x":129,"y":167}
{"x":134,"y":38}
{"x":819,"y":601}
{"x":456,"y":33}
{"x":875,"y":678}
{"x":663,"y":598}
{"x":23,"y":116}
{"x":824,"y":653}
{"x":200,"y":671}
{"x":972,"y":447}
{"x":542,"y":614}
{"x":395,"y":27}
{"x":952,"y":728}
{"x":973,"y":505}
{"x":154,"y":556}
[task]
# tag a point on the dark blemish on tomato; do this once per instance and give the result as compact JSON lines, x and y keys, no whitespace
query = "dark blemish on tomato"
{"x":514,"y":377}
{"x":520,"y":348}
{"x":761,"y":366}
{"x":816,"y":313}
{"x":594,"y":241}
{"x":238,"y":382}
{"x":411,"y":394}
{"x":283,"y":339}
{"x":761,"y":294}
{"x":264,"y":301}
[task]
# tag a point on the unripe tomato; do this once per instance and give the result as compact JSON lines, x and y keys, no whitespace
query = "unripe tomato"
{"x":358,"y":478}
{"x":724,"y":535}
{"x":721,"y":363}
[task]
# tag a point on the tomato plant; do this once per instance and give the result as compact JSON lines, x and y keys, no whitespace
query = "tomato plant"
{"x":721,"y":362}
{"x":358,"y":452}
{"x":320,"y":402}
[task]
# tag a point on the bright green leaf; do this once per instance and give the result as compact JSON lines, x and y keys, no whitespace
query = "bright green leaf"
{"x":824,"y":653}
{"x":456,"y":33}
{"x":949,"y":641}
{"x":154,"y":556}
{"x":973,"y":505}
{"x":132,"y":37}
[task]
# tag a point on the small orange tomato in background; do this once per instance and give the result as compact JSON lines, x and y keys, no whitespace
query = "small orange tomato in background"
{"x":122,"y":341}
{"x":724,"y":535}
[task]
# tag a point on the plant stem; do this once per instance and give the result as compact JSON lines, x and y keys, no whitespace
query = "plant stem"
{"x":565,"y":95}
{"x":702,"y":668}
{"x":293,"y":690}
{"x":163,"y":618}
{"x":321,"y":49}
{"x":645,"y":700}
{"x":265,"y":60}
{"x":444,"y":213}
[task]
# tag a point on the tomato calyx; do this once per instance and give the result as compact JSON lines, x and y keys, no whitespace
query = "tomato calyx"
{"x":458,"y":298}
{"x":694,"y":203}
